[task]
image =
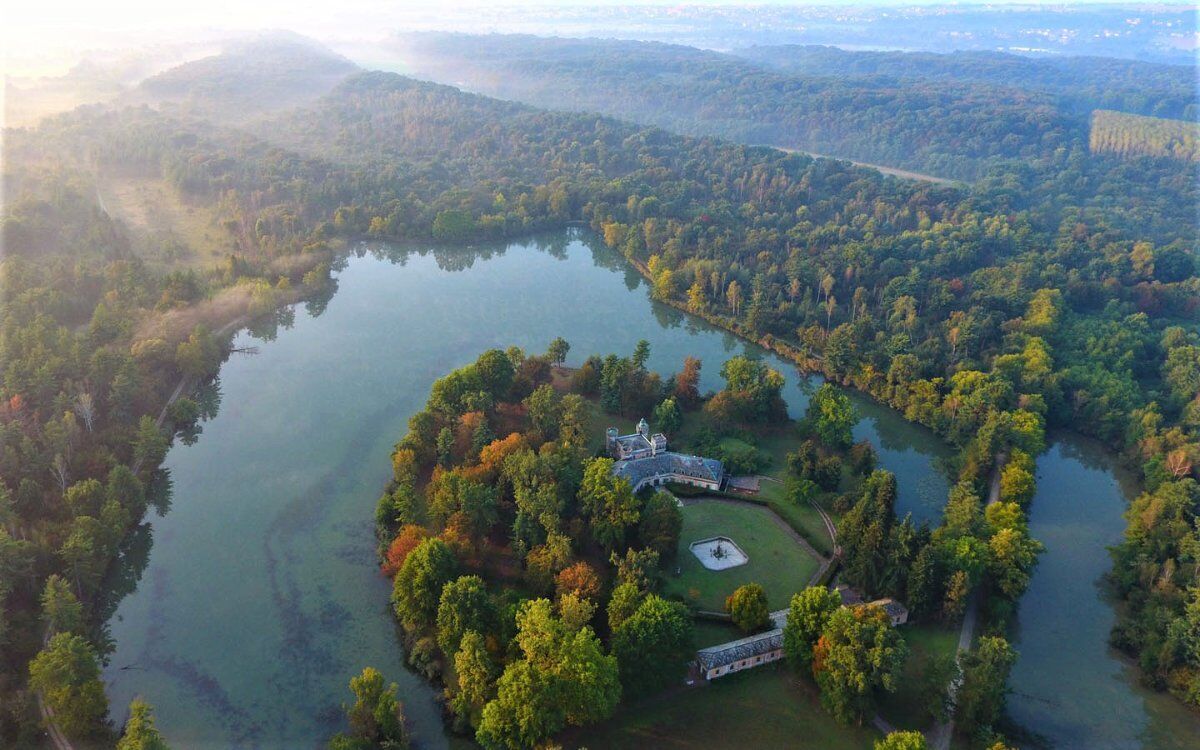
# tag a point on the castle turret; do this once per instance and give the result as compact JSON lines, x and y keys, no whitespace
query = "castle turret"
{"x":610,"y":439}
{"x":643,"y":428}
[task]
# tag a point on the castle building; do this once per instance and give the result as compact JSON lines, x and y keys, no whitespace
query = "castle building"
{"x":643,"y":459}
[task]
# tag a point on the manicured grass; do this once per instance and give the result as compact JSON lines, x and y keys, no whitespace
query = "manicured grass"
{"x":777,"y":562}
{"x":925,"y":642}
{"x":804,"y":518}
{"x":767,"y":707}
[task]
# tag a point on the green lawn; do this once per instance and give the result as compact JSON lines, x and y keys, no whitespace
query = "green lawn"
{"x":777,"y":562}
{"x":804,"y":518}
{"x":760,"y":708}
{"x":925,"y":642}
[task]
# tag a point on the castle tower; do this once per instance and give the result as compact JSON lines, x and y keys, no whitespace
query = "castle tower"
{"x":643,"y":428}
{"x":610,"y":439}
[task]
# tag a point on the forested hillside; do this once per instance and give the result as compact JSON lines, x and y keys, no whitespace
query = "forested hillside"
{"x":266,"y":74}
{"x":949,"y":130}
{"x":1085,"y":83}
{"x":1029,"y":150}
{"x":986,"y":313}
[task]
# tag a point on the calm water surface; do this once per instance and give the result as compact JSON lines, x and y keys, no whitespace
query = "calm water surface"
{"x":1068,"y":686}
{"x":261,"y":597}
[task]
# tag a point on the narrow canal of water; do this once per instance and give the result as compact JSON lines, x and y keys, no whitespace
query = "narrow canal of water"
{"x":1068,"y":686}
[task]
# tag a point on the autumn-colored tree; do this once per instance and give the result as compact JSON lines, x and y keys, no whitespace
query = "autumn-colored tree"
{"x":405,"y":542}
{"x":687,"y":383}
{"x":580,"y":579}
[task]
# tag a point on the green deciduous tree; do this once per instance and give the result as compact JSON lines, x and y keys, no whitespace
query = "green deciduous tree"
{"x":984,"y":685}
{"x":808,"y":614}
{"x":858,"y":656}
{"x":67,"y":674}
{"x":832,"y":417}
{"x":563,"y":679}
{"x":376,"y":716}
{"x":464,"y":605}
{"x":417,"y":589}
{"x":902,"y":741}
{"x":608,"y":502}
{"x":652,"y":645}
{"x":747,"y":605}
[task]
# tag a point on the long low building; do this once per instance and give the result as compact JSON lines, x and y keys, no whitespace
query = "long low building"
{"x":744,"y":653}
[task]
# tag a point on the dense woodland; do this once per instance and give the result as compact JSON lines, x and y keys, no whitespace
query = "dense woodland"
{"x":1035,"y":298}
{"x":947,"y":127}
{"x":1083,"y":83}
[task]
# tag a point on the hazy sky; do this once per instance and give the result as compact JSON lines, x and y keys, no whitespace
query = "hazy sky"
{"x":44,"y":35}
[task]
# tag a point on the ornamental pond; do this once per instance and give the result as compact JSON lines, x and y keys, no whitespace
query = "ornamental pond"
{"x":245,"y":607}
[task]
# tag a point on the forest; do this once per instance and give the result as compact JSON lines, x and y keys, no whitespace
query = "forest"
{"x":1035,"y":298}
{"x":1084,"y":83}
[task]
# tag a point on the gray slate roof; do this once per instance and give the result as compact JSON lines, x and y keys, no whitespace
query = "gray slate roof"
{"x":743,"y":648}
{"x":637,"y":469}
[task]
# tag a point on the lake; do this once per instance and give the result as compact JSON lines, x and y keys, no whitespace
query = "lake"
{"x":261,"y":596}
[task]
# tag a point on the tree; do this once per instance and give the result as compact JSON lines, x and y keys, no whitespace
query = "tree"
{"x":464,"y":605}
{"x":557,"y":351}
{"x":580,"y":579}
{"x":637,"y":566}
{"x":653,"y":645}
{"x":667,"y":416}
{"x":807,"y":617}
{"x":476,"y":674}
{"x":902,"y":741}
{"x":140,"y":732}
{"x":832,"y":417}
{"x":609,"y":503}
{"x":1012,"y":560}
{"x":625,"y":600}
{"x":747,"y":605}
{"x":61,"y":611}
{"x":149,"y":444}
{"x":858,"y":655}
{"x":124,"y":487}
{"x":524,"y":711}
{"x":544,"y":410}
{"x":661,"y":524}
{"x":417,"y":590}
{"x":984,"y":685}
{"x":84,"y":498}
{"x":564,"y":678}
{"x":398,"y":551}
{"x":376,"y":716}
{"x":687,"y":383}
{"x":445,"y":446}
{"x":1017,"y":484}
{"x":641,"y":354}
{"x":67,"y":675}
